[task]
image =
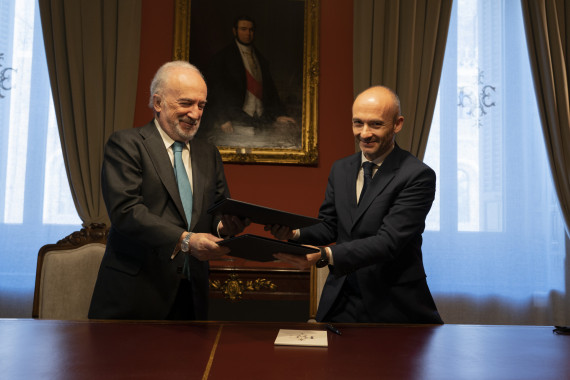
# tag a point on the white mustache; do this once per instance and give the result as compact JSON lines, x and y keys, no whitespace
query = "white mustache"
{"x":190,"y":121}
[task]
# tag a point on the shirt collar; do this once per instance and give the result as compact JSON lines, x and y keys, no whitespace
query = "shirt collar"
{"x":167,"y":140}
{"x":242,"y":47}
{"x":379,"y":160}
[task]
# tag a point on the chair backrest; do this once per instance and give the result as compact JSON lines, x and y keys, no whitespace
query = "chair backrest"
{"x":318,"y":278}
{"x":66,"y":274}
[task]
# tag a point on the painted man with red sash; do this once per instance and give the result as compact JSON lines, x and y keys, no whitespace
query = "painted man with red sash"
{"x":241,"y":90}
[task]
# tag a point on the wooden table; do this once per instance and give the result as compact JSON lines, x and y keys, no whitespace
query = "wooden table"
{"x":43,"y":349}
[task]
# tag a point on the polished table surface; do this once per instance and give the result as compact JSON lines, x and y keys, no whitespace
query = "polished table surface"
{"x":45,"y":349}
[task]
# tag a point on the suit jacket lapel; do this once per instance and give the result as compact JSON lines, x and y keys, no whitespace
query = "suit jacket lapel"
{"x":199,"y":175}
{"x":350,"y":190}
{"x":237,"y":67}
{"x":162,"y":164}
{"x":381,"y":179}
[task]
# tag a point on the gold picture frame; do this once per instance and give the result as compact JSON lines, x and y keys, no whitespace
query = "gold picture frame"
{"x":300,"y":147}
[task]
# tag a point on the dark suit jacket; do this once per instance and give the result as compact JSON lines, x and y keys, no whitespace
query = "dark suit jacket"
{"x":226,"y":79}
{"x":379,"y":240}
{"x":137,"y":278}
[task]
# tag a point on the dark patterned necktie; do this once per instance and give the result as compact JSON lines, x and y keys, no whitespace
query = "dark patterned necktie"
{"x":367,"y":168}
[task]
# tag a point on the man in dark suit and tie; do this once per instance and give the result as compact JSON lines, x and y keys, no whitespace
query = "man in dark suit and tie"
{"x":161,"y":238}
{"x":242,"y":90}
{"x":375,"y":207}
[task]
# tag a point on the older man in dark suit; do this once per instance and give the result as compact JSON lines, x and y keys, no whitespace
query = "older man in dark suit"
{"x":374,"y":210}
{"x":161,"y":238}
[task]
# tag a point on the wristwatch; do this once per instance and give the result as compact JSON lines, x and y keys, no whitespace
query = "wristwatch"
{"x":184,"y":246}
{"x":324,"y":260}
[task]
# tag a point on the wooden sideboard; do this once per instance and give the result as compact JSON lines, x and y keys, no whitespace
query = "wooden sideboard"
{"x":244,"y":290}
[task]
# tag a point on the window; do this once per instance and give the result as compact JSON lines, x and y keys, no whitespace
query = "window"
{"x":36,"y":207}
{"x":495,"y":232}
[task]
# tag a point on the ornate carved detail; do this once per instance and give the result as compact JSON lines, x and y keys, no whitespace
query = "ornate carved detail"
{"x":94,"y":233}
{"x":4,"y":77}
{"x":233,"y":288}
{"x":476,"y":101}
{"x":259,"y":284}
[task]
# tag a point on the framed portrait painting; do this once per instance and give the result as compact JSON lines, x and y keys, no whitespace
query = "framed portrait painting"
{"x":260,"y":61}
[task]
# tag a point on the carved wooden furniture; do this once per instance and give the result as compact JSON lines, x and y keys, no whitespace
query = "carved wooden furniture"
{"x":244,"y":290}
{"x":237,"y":279}
{"x":318,"y":279}
{"x":66,"y":274}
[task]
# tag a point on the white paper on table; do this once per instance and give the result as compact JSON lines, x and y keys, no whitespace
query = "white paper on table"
{"x":309,"y":338}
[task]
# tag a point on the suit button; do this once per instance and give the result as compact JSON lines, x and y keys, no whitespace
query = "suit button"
{"x":179,"y":270}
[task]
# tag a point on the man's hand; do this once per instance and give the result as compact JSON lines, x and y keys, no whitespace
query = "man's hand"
{"x":204,"y":247}
{"x":231,"y":225}
{"x":280,"y":232}
{"x":299,"y":261}
{"x":285,"y":121}
{"x":227,"y":127}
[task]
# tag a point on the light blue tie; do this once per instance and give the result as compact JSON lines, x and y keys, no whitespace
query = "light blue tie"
{"x":185,"y":193}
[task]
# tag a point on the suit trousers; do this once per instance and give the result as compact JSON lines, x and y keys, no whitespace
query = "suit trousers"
{"x":182,"y":308}
{"x":349,"y":305}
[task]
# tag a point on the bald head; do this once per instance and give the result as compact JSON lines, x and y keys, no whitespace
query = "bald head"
{"x":380,"y":95}
{"x":376,"y":120}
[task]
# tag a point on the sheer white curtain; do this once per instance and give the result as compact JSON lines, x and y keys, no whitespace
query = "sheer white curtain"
{"x":495,"y":243}
{"x":35,"y":201}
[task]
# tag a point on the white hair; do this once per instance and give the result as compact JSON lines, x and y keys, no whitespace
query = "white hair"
{"x":157,"y":84}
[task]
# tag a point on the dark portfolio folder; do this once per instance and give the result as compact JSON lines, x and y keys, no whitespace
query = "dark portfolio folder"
{"x":259,"y":248}
{"x":260,"y":214}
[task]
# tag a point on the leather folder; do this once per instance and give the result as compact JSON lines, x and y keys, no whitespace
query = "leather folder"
{"x":260,"y":248}
{"x":260,"y":214}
